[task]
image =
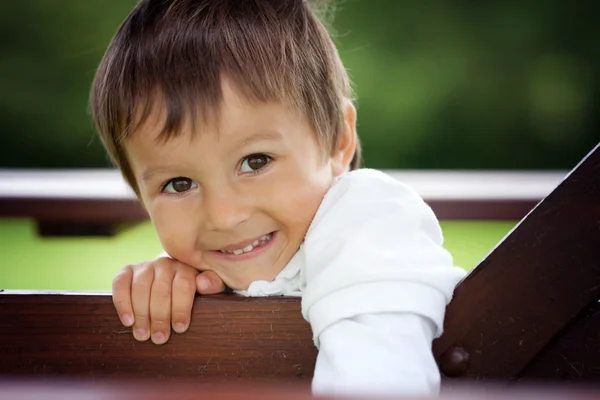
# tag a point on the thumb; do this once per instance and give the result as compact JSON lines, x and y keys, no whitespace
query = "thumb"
{"x":208,"y":282}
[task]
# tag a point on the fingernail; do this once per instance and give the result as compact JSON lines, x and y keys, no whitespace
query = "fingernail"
{"x":179,"y":327}
{"x":141,"y":334}
{"x":127,"y":320}
{"x":204,"y":284}
{"x":158,"y":338}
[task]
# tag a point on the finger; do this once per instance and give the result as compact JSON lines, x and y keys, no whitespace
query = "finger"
{"x":140,"y":294}
{"x":121,"y":295}
{"x":209,"y":282}
{"x":184,"y":291}
{"x":160,"y":301}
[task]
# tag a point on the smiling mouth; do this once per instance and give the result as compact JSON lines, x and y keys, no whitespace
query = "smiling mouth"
{"x":258,"y":243}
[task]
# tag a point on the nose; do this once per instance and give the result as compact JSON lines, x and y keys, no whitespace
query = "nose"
{"x":224,"y":209}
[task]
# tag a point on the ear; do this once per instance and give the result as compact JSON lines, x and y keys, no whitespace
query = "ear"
{"x":345,"y":146}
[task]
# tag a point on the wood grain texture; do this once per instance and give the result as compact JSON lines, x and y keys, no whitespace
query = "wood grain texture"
{"x":572,"y":355}
{"x":232,"y":338}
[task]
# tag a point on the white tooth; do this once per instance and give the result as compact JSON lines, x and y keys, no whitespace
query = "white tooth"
{"x":248,"y":248}
{"x":223,"y":251}
{"x":238,"y":252}
{"x":256,"y":242}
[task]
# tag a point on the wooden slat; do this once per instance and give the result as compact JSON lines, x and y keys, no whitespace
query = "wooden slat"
{"x":232,"y":338}
{"x":529,"y":288}
{"x":487,"y":210}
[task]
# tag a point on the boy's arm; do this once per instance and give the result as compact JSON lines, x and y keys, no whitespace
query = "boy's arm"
{"x":377,"y":354}
{"x":377,"y":284}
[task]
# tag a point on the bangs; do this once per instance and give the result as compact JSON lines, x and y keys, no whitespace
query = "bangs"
{"x":180,"y":60}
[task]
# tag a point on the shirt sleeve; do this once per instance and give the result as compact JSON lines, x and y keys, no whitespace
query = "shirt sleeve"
{"x":377,"y":355}
{"x":376,"y":283}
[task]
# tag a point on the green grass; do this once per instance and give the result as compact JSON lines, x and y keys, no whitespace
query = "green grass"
{"x":79,"y":263}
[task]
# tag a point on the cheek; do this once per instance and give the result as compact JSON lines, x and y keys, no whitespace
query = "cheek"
{"x":297,"y":201}
{"x":176,"y":230}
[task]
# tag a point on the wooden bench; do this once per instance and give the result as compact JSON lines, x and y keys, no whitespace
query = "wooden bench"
{"x":529,"y":312}
{"x":97,"y":202}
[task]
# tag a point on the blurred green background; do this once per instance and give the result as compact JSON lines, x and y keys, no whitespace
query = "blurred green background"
{"x":501,"y":84}
{"x":440,"y":85}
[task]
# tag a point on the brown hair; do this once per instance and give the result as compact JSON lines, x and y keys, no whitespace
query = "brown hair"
{"x":178,"y":51}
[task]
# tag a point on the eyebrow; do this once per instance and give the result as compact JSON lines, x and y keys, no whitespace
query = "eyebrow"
{"x":258,"y":137}
{"x":149,"y":173}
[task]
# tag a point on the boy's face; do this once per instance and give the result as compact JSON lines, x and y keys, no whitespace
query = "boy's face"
{"x":237,"y":197}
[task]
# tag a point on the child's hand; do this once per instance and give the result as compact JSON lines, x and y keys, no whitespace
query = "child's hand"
{"x":154,"y":295}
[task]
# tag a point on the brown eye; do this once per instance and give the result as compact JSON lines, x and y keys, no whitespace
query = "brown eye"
{"x":179,"y":185}
{"x":254,"y":162}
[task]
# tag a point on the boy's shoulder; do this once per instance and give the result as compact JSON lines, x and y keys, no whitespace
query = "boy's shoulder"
{"x":370,"y":184}
{"x":362,"y":195}
{"x":364,"y":174}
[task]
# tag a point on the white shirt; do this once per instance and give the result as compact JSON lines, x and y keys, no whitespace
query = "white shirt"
{"x":375,"y":281}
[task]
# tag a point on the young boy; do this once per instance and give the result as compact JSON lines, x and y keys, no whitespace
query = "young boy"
{"x":232,"y":121}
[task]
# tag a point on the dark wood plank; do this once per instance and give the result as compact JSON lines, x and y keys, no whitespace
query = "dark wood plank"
{"x":76,"y":228}
{"x":572,"y":355}
{"x":75,"y":216}
{"x":531,"y":286}
{"x":73,"y":209}
{"x":491,"y":210}
{"x":232,"y":338}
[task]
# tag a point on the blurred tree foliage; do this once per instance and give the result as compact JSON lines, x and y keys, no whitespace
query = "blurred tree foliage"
{"x":503,"y":84}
